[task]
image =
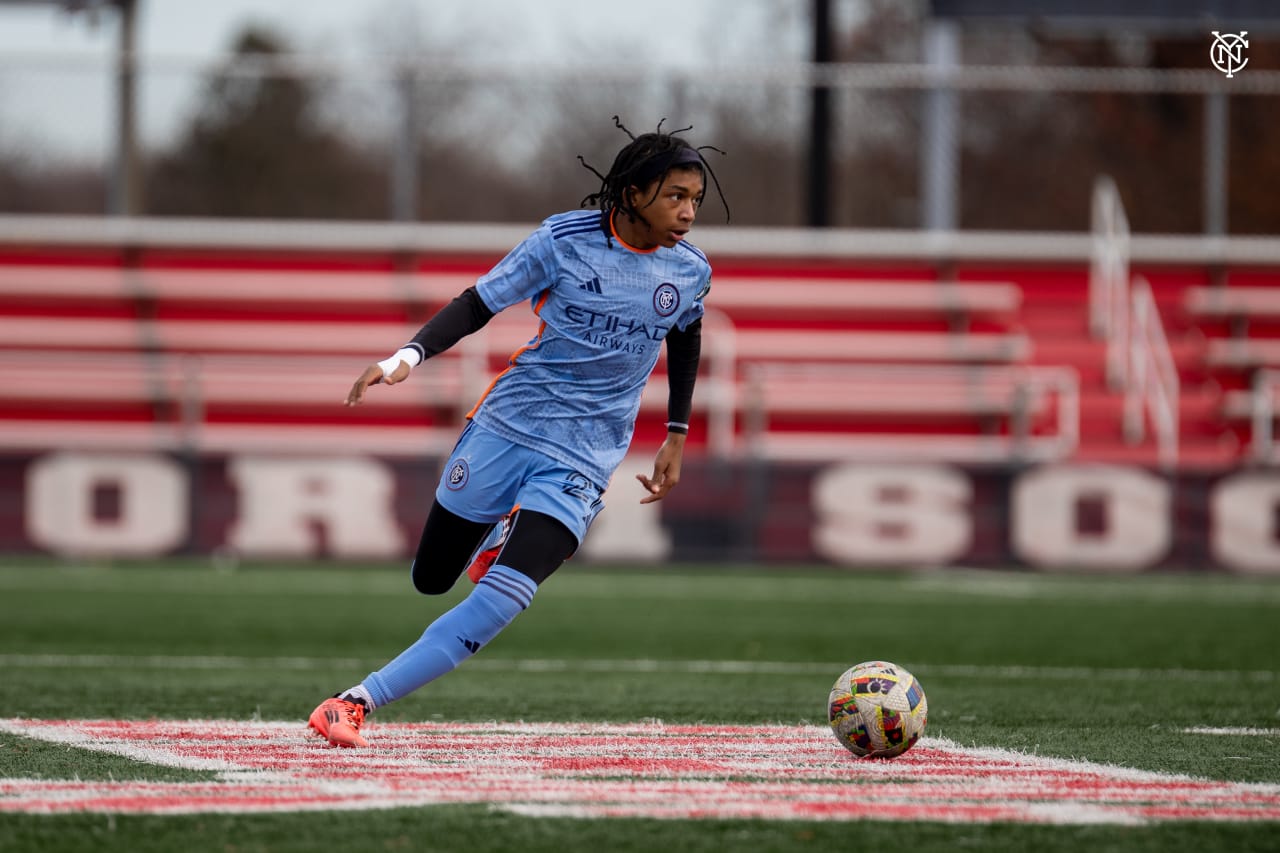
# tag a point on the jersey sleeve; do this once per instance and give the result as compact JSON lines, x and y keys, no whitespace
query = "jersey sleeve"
{"x":526,"y":271}
{"x":696,"y":309}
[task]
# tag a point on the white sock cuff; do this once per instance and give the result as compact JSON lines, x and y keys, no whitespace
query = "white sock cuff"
{"x":362,"y":693}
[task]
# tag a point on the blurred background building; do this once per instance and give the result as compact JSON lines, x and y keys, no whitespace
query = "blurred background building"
{"x":849,"y":113}
{"x":1000,"y":284}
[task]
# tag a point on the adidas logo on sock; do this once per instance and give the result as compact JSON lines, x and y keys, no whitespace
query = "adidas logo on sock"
{"x":592,"y":286}
{"x":472,"y":645}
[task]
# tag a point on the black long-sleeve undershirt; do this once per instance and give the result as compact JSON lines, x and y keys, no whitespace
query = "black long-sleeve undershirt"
{"x":467,"y":314}
{"x":684,"y":350}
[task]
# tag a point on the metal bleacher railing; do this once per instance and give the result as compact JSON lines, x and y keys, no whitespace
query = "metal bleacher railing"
{"x":1263,"y":401}
{"x":1152,"y":383}
{"x":1243,"y":308}
{"x":1010,"y":398}
{"x":1123,"y":313}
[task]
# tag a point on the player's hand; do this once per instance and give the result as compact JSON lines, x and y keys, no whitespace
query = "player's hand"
{"x":666,"y":469}
{"x":372,"y":376}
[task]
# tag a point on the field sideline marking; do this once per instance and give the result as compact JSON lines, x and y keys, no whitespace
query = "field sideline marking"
{"x":632,"y":665}
{"x":601,"y":770}
{"x":933,"y":586}
{"x":1231,"y":730}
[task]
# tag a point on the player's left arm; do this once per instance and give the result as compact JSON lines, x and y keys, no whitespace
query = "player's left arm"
{"x":684,"y":350}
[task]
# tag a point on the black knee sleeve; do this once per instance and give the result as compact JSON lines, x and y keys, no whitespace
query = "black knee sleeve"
{"x":537,"y":545}
{"x":447,"y":543}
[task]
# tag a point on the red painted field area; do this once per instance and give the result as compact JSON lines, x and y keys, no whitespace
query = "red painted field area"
{"x":600,"y":770}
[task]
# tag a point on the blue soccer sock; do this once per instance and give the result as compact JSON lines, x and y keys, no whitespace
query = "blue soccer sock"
{"x":455,"y":636}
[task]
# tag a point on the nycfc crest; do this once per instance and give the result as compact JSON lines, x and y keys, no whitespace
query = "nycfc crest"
{"x":1227,"y":52}
{"x":666,"y":299}
{"x":459,"y":473}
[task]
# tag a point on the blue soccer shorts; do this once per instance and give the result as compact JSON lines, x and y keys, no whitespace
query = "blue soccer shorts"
{"x":486,"y":476}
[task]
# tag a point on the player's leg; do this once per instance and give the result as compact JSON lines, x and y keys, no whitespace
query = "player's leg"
{"x":476,"y":492}
{"x":558,"y":505}
{"x":447,"y":543}
{"x":452,"y":533}
{"x":445,"y":548}
{"x":490,"y":547}
{"x":536,"y":546}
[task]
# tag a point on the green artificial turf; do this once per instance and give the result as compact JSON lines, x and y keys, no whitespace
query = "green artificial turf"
{"x":1108,"y":669}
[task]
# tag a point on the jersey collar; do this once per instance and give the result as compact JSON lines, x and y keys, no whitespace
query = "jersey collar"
{"x":612,"y":230}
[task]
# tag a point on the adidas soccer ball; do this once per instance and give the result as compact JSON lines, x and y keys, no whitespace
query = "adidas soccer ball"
{"x":877,"y":709}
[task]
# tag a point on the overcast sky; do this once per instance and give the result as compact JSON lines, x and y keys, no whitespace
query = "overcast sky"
{"x":56,"y":95}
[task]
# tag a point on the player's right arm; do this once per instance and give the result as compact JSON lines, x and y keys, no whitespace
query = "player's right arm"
{"x":519,"y":275}
{"x":466,"y":314}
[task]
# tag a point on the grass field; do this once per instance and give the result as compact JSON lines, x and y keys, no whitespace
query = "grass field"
{"x":1118,"y":671}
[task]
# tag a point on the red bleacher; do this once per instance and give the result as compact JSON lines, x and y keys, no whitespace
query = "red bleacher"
{"x":230,"y":351}
{"x":258,"y":358}
{"x":1238,"y":316}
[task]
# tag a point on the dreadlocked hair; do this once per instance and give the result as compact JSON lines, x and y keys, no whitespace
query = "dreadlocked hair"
{"x":646,"y":158}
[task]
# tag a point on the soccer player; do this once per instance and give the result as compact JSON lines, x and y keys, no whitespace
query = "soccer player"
{"x":525,"y":480}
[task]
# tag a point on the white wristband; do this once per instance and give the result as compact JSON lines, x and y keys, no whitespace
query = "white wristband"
{"x":408,"y":355}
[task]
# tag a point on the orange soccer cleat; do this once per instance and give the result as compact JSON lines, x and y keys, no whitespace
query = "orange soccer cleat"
{"x":338,"y":721}
{"x":489,"y":549}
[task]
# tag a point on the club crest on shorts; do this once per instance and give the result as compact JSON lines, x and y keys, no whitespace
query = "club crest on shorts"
{"x":459,"y":473}
{"x":666,"y":299}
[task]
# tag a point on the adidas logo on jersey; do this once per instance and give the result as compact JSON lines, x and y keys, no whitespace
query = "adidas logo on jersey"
{"x":472,"y":645}
{"x":592,"y":286}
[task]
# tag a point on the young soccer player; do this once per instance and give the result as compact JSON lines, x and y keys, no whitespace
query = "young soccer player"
{"x":525,"y":480}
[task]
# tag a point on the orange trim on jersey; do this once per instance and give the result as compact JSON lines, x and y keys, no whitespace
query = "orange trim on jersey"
{"x":511,"y":362}
{"x":613,"y":229}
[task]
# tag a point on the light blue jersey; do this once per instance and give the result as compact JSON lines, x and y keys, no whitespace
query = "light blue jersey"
{"x":573,"y":392}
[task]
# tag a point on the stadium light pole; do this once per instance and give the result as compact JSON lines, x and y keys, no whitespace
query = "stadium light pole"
{"x":820,"y":121}
{"x":939,"y":158}
{"x":404,"y":161}
{"x":124,"y":184}
{"x":1216,"y":152}
{"x":125,"y":194}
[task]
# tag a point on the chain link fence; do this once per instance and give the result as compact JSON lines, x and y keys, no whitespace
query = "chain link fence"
{"x":912,"y":144}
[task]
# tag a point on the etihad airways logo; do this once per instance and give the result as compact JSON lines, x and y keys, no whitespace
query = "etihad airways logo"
{"x":611,"y":330}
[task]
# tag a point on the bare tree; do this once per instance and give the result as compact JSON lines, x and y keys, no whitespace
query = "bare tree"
{"x":259,"y":146}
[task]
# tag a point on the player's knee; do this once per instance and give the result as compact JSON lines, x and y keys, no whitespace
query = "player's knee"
{"x":431,"y":583}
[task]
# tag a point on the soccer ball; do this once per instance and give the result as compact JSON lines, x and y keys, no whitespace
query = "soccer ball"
{"x":877,"y":709}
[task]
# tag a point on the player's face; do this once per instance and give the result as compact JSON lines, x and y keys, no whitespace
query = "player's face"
{"x":669,"y":205}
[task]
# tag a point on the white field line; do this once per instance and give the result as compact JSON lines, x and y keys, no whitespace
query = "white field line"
{"x":1231,"y":730}
{"x":1072,"y":588}
{"x":634,"y":665}
{"x":934,"y":586}
{"x":612,"y":770}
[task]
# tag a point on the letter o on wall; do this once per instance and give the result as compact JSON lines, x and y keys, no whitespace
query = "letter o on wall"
{"x":1044,"y":514}
{"x":152,"y":507}
{"x":1242,"y":534}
